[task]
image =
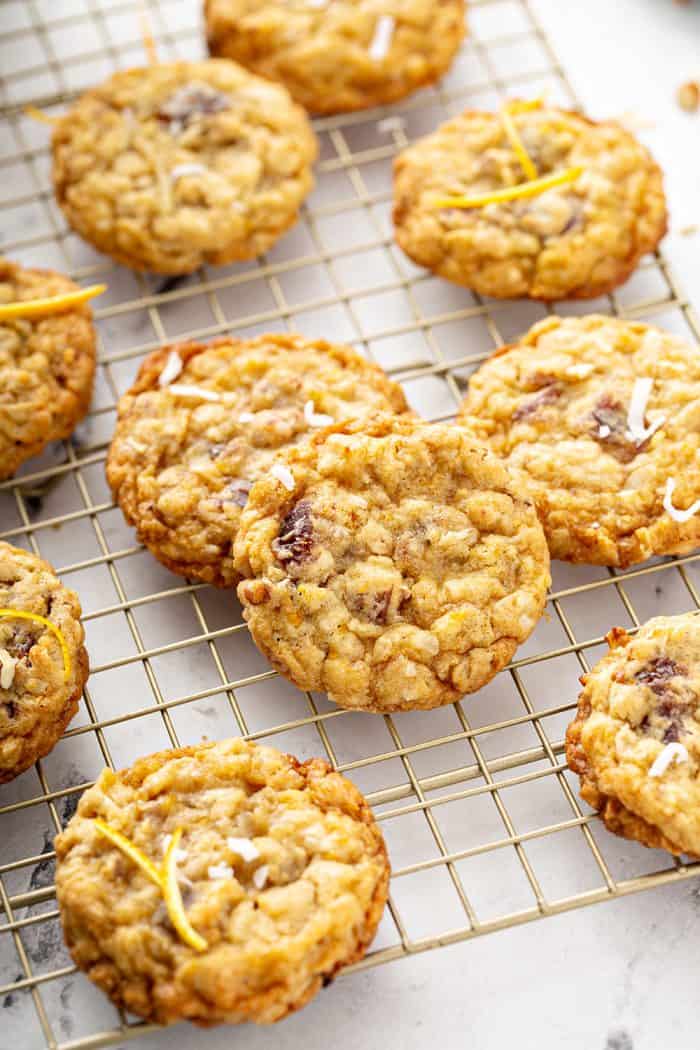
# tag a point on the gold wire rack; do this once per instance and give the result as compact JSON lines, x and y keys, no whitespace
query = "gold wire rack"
{"x":481,"y":815}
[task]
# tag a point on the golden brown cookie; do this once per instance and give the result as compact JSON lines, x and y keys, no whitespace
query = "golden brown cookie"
{"x":391,"y":563}
{"x":43,"y":663}
{"x":635,"y":741}
{"x":204,"y":421}
{"x":183,"y":163}
{"x":47,"y":363}
{"x":257,"y":878}
{"x":339,"y":55}
{"x":577,"y":239}
{"x":600,"y":418}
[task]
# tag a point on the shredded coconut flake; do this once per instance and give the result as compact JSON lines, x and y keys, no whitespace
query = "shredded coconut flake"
{"x":390,"y":124}
{"x":283,"y":475}
{"x":246,"y":417}
{"x":245,"y":849}
{"x":381,"y":41}
{"x":220,"y":871}
{"x":180,"y":854}
{"x":7,"y":669}
{"x":260,"y":876}
{"x":637,"y":410}
{"x":316,"y":3}
{"x":670,"y":754}
{"x":171,"y":369}
{"x":182,"y":170}
{"x":314,"y":418}
{"x":604,"y":430}
{"x":186,"y":390}
{"x":674,"y":512}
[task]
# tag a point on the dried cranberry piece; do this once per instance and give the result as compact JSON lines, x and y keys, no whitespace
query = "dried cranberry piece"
{"x":295,"y":538}
{"x":192,"y":100}
{"x":547,"y":395}
{"x":373,"y":606}
{"x":610,"y":415}
{"x":657,"y":673}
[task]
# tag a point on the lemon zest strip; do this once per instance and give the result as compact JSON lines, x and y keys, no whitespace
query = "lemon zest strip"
{"x":513,"y":136}
{"x":173,"y":898}
{"x":38,"y":114}
{"x":131,"y":851}
{"x":51,"y":305}
{"x":523,"y":189}
{"x":19,"y":614}
{"x":525,"y":105}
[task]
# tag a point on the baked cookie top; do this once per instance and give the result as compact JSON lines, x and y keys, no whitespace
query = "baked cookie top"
{"x":183,"y":163}
{"x":47,"y":364}
{"x":203,"y":422}
{"x":635,"y":741}
{"x":579,"y":239}
{"x":43,"y":664}
{"x":601,"y":420}
{"x":338,"y":55}
{"x":266,"y":876}
{"x":391,"y":563}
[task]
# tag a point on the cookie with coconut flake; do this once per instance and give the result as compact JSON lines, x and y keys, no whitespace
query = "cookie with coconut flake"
{"x":600,"y":419}
{"x":47,"y":363}
{"x":257,"y":878}
{"x":204,"y":421}
{"x":183,"y":163}
{"x":43,"y":662}
{"x":578,"y":239}
{"x":635,"y":741}
{"x":339,"y":55}
{"x":392,"y":564}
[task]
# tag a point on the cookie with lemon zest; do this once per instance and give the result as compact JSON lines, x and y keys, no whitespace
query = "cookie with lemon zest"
{"x":511,"y":193}
{"x":262,"y":933}
{"x":32,"y":308}
{"x":40,"y":682}
{"x":579,"y":241}
{"x":20,"y":614}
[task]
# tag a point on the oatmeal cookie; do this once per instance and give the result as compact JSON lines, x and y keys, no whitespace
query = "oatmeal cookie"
{"x":600,"y":418}
{"x":43,"y":663}
{"x":278,"y":879}
{"x":576,"y":240}
{"x":183,"y":163}
{"x":391,"y":564}
{"x":635,"y":741}
{"x":202,"y":422}
{"x":339,"y":55}
{"x":47,"y":365}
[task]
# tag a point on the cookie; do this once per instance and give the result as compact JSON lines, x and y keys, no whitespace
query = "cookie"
{"x":183,"y":163}
{"x":390,"y":563}
{"x":468,"y":203}
{"x":600,"y":418}
{"x":635,"y":741}
{"x":204,"y":421}
{"x":257,"y":878}
{"x":47,"y":361}
{"x":43,"y":663}
{"x":339,"y":55}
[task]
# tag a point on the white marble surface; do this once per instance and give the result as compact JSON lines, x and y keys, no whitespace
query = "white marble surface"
{"x":619,"y":976}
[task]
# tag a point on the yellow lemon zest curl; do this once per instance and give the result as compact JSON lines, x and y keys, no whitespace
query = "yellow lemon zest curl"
{"x":20,"y":614}
{"x":38,"y":114}
{"x":513,"y":135}
{"x":52,"y":305}
{"x":523,"y":189}
{"x":164,"y":877}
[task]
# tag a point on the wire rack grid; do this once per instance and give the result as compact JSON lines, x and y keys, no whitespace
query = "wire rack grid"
{"x":479,"y":810}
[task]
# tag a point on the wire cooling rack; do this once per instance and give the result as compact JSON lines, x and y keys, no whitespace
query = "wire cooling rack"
{"x":480,"y":813}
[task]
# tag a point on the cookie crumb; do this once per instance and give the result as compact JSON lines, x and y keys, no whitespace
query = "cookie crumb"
{"x":688,"y":96}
